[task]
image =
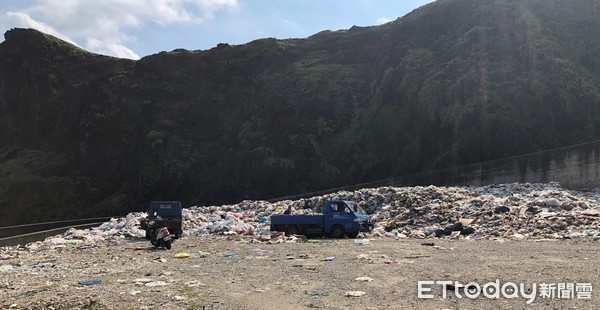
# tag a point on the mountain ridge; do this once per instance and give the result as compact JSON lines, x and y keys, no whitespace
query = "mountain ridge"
{"x":453,"y":82}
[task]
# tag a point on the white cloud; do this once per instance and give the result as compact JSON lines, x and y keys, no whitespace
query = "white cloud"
{"x":103,"y":25}
{"x":22,"y":20}
{"x":110,"y":48}
{"x":383,"y":20}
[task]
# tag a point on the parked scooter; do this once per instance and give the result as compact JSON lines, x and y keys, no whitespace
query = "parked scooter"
{"x":160,"y":236}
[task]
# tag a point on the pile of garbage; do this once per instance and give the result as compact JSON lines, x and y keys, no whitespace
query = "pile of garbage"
{"x":513,"y":211}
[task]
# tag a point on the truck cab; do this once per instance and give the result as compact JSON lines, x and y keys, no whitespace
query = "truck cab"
{"x":345,"y":217}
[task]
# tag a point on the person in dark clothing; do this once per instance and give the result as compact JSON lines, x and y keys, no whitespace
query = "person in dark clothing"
{"x":288,"y":210}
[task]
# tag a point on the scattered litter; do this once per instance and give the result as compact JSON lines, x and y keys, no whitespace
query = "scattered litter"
{"x":229,"y":255}
{"x":316,"y":241}
{"x":590,"y":212}
{"x":142,"y":281}
{"x":501,"y":209}
{"x":156,"y":283}
{"x":133,"y":292}
{"x":263,"y":252}
{"x":203,"y":254}
{"x":90,"y":281}
{"x":354,"y":293}
{"x":315,"y":305}
{"x":466,"y":222}
{"x":363,"y":256}
{"x":362,"y":242}
{"x":194,"y":283}
{"x":364,"y":279}
{"x":329,"y":258}
{"x":263,"y":237}
{"x":553,"y":202}
{"x":30,"y":293}
{"x":317,"y":293}
{"x":182,"y":255}
{"x":439,"y":247}
{"x":6,"y":267}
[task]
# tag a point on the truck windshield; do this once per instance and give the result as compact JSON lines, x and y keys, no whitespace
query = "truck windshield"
{"x":355,"y":207}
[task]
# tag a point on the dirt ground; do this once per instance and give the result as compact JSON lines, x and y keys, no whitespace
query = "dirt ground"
{"x":236,"y":273}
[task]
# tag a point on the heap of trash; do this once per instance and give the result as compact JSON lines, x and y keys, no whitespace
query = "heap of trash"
{"x":512,"y":211}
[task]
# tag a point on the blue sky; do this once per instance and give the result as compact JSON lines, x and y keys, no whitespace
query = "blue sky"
{"x":137,"y":28}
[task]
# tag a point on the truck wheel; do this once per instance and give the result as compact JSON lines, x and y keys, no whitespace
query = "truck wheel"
{"x":353,"y":234}
{"x":337,"y":231}
{"x":292,"y":230}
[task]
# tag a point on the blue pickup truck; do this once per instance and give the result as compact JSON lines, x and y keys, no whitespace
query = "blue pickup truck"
{"x":338,"y":219}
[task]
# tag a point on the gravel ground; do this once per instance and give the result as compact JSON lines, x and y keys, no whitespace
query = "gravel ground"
{"x":135,"y":275}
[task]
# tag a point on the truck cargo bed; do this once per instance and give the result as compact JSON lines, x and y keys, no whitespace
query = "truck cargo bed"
{"x":296,"y":219}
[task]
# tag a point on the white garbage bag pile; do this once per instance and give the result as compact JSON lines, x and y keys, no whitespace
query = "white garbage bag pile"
{"x":116,"y":228}
{"x":514,"y":211}
{"x":245,"y":218}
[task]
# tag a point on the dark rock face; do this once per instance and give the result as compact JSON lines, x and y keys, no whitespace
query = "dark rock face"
{"x":454,"y":82}
{"x":69,"y":142}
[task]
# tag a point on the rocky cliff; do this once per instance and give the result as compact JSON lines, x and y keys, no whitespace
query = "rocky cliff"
{"x":453,"y":82}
